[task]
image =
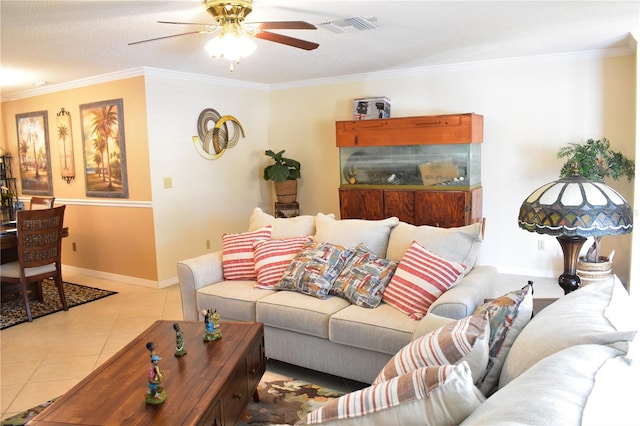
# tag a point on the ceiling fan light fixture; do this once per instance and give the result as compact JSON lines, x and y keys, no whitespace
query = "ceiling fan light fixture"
{"x":233,"y":43}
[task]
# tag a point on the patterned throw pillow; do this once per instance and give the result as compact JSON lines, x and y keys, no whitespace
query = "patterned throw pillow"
{"x":364,"y":278}
{"x":314,"y":269}
{"x":463,"y":340}
{"x":272,"y":258}
{"x":238,"y":256}
{"x":442,"y":395}
{"x":421,"y":277}
{"x":507,"y":317}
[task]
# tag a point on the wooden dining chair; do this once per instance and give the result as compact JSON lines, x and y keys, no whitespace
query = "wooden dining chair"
{"x":41,"y":203}
{"x":39,"y":234}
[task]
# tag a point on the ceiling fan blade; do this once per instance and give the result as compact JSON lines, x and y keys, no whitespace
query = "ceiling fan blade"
{"x":162,"y":38}
{"x":188,"y":23}
{"x":289,"y":41}
{"x":283,"y":25}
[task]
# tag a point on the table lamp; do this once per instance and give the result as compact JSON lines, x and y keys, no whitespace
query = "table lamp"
{"x":572,"y":209}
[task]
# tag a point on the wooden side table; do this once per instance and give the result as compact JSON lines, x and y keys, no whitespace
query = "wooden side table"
{"x":286,"y":209}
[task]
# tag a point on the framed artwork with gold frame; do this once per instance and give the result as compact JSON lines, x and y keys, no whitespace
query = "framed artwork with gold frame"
{"x":33,"y":152}
{"x":103,"y":149}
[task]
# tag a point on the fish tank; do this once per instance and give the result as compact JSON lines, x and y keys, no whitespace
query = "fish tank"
{"x":446,"y":166}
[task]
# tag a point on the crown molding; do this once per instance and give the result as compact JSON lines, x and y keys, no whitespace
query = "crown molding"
{"x":403,"y":72}
{"x":461,"y":66}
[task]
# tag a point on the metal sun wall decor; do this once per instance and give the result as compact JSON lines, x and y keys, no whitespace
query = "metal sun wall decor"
{"x":213,"y":141}
{"x":65,"y":138}
{"x":33,"y":150}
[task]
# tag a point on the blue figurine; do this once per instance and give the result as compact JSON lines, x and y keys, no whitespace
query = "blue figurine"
{"x":211,"y":325}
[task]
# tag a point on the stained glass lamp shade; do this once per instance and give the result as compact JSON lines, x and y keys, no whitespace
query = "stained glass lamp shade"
{"x":572,"y":209}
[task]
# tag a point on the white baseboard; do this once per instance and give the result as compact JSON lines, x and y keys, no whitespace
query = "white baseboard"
{"x":122,"y":278}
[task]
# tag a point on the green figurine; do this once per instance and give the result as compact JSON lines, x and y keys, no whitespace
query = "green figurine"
{"x":155,"y":394}
{"x":211,"y":325}
{"x":180,"y":350}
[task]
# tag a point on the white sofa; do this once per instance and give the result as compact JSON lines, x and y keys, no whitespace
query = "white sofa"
{"x":574,"y":363}
{"x":332,"y":335}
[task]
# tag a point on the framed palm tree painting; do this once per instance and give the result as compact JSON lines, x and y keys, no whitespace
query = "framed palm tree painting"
{"x":104,"y":149}
{"x":33,"y":147}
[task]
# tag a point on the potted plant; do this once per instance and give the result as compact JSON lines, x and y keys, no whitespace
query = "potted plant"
{"x":284,"y":172}
{"x":595,"y":160}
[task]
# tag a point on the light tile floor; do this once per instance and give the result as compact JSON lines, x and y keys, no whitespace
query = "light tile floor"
{"x":45,"y":358}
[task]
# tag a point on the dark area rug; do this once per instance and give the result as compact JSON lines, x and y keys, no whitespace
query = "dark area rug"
{"x":12,"y":306}
{"x":282,"y":402}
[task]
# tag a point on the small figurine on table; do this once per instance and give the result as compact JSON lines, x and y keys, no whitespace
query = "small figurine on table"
{"x":211,"y":325}
{"x":155,"y":393}
{"x":180,"y":350}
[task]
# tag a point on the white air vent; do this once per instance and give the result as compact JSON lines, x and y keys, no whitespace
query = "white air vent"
{"x":356,"y":23}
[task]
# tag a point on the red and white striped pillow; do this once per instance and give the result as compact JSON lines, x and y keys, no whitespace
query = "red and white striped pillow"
{"x":238,"y":255}
{"x":272,"y":257}
{"x":443,"y":395}
{"x":464,"y":340}
{"x":421,"y":277}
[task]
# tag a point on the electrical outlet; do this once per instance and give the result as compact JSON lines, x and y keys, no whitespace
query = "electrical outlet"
{"x":73,"y":247}
{"x":168,"y":183}
{"x":208,"y":244}
{"x":540,"y":245}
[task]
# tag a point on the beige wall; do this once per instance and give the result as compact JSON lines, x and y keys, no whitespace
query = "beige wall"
{"x":531,"y":107}
{"x":112,"y":235}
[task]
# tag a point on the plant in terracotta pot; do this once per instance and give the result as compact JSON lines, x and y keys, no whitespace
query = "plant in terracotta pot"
{"x":284,"y":172}
{"x":595,"y":160}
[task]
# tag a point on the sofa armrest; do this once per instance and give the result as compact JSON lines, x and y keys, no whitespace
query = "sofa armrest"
{"x":463,"y":298}
{"x":429,"y":323}
{"x":196,"y":273}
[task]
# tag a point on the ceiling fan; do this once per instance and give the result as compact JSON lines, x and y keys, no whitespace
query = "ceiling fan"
{"x":234,"y":39}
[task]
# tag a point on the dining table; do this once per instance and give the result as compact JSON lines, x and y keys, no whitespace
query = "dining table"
{"x":9,"y":241}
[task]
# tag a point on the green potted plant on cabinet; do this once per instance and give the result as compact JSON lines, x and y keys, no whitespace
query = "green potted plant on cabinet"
{"x":595,"y":160}
{"x":284,"y":172}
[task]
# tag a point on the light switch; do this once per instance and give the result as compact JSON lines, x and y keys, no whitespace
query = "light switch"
{"x":167,"y":183}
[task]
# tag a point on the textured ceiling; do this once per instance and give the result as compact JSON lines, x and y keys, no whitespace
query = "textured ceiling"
{"x":63,"y":41}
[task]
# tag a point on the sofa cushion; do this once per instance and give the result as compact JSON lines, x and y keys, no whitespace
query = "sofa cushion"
{"x":614,"y":397}
{"x":429,"y":396}
{"x":298,"y":312}
{"x":234,"y":300}
{"x":272,"y":257}
{"x":508,"y":315}
{"x":552,"y":392}
{"x":314,"y":269}
{"x":463,"y":340}
{"x":283,"y":227}
{"x":460,"y":245}
{"x":374,"y":234}
{"x":599,"y":313}
{"x":381,"y":329}
{"x":238,"y":255}
{"x":420,"y":278}
{"x":364,"y":278}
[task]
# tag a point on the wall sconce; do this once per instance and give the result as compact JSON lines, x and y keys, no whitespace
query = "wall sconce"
{"x":65,"y":138}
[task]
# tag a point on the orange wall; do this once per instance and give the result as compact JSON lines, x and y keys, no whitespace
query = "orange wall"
{"x":112,"y":235}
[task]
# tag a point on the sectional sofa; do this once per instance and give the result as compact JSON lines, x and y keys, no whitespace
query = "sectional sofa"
{"x":574,"y":363}
{"x":352,"y":334}
{"x":466,"y":360}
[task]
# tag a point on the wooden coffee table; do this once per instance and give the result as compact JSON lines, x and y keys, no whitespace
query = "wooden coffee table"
{"x":210,"y":385}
